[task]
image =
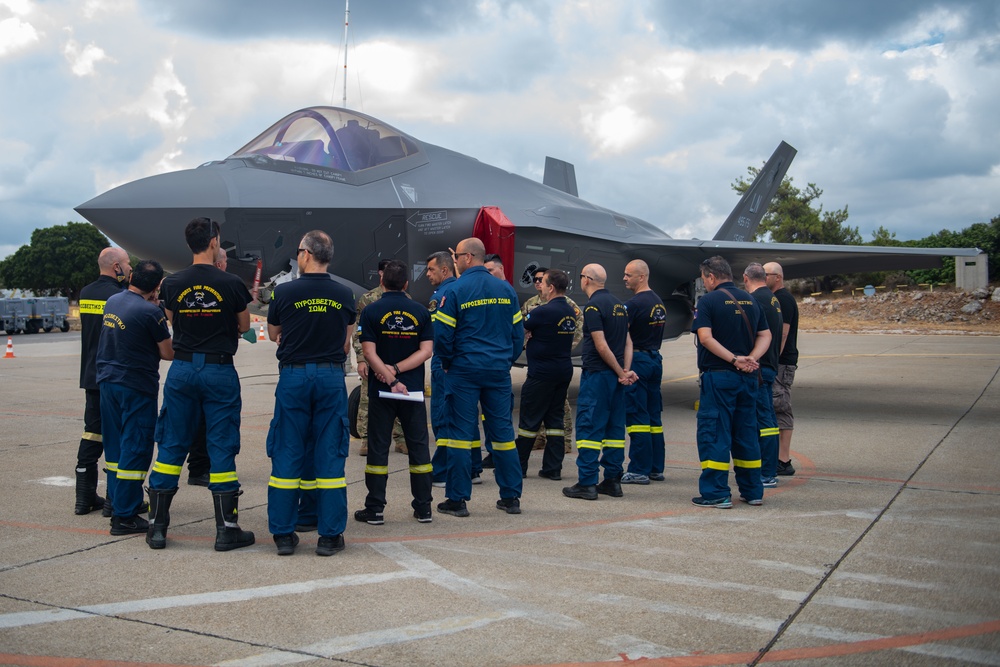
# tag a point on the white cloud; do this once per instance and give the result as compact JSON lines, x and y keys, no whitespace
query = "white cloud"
{"x":82,"y":61}
{"x":15,"y":32}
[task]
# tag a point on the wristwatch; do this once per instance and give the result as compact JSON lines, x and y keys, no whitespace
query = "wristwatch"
{"x":393,"y":383}
{"x":734,"y":360}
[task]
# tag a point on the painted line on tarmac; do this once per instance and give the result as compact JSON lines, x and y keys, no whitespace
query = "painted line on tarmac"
{"x":115,"y":609}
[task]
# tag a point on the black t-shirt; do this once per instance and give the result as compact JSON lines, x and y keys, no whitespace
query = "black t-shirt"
{"x":790,"y":316}
{"x":604,"y":312}
{"x":397,"y":325}
{"x":92,"y":300}
{"x":718,"y":312}
{"x":314,"y":313}
{"x":646,"y":318}
{"x":768,"y":302}
{"x":128,"y":353}
{"x":204,"y":302}
{"x":550,"y":348}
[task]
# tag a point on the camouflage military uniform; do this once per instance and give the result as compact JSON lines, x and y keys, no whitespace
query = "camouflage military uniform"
{"x":528,"y":306}
{"x":397,"y":431}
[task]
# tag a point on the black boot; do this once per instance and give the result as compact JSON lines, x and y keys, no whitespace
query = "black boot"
{"x":159,"y":517}
{"x":227,"y":531}
{"x":87,"y":499}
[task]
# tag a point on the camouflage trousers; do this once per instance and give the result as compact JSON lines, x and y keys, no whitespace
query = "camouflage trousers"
{"x":397,"y":430}
{"x":567,"y":426}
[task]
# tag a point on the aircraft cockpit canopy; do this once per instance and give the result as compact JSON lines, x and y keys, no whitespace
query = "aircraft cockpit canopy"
{"x":331,"y":138}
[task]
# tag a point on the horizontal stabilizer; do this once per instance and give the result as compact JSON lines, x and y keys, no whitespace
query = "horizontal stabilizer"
{"x":742,"y":223}
{"x":560,"y":175}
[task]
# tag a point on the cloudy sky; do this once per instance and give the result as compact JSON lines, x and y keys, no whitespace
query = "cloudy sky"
{"x":894,"y":106}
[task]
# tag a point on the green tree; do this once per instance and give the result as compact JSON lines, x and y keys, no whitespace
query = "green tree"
{"x":59,"y":260}
{"x":982,"y":235}
{"x":794,"y":217}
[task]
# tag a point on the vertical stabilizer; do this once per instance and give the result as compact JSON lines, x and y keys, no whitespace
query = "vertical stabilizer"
{"x":742,"y":223}
{"x":560,"y":175}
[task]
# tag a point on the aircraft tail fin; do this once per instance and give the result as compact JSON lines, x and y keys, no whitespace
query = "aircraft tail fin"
{"x":560,"y":175}
{"x":742,"y":223}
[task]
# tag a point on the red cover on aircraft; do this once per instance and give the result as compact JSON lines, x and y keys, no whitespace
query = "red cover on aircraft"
{"x":496,"y":232}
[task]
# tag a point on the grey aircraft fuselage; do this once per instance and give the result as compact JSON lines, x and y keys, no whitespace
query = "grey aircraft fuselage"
{"x":382,"y":194}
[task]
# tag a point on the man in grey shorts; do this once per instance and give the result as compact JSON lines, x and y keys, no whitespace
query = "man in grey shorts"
{"x":787,"y":363}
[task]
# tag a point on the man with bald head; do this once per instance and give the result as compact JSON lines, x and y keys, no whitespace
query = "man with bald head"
{"x":643,"y":402}
{"x":787,"y":363}
{"x":114,"y":274}
{"x":478,"y":334}
{"x":600,"y":412}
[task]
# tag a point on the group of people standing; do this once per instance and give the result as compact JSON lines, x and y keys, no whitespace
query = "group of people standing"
{"x":473,"y":332}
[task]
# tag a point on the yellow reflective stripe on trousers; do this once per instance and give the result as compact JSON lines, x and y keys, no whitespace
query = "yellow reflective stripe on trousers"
{"x":96,"y":437}
{"x":504,"y":446}
{"x":614,"y":444}
{"x":376,"y":470}
{"x":284,"y":483}
{"x":587,"y":444}
{"x":715,"y":465}
{"x":307,"y":484}
{"x":554,"y":431}
{"x":765,"y":432}
{"x":639,"y":428}
{"x":132,"y":475}
{"x":91,"y":307}
{"x":740,"y":463}
{"x":331,"y":483}
{"x":166,"y":469}
{"x":421,"y":469}
{"x":222,"y":477}
{"x":444,"y":319}
{"x":656,"y":429}
{"x":526,"y":433}
{"x":112,"y":466}
{"x":456,"y":444}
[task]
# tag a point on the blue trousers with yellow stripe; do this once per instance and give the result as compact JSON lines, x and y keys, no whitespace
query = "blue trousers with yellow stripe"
{"x":600,"y":426}
{"x":465,"y":391}
{"x":767,"y":424}
{"x":440,"y":415}
{"x":128,"y":418}
{"x":309,"y":424}
{"x":727,"y":425}
{"x":644,"y":414}
{"x":192,"y":390}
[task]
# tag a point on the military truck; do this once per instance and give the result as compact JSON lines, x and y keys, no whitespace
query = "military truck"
{"x":34,"y":314}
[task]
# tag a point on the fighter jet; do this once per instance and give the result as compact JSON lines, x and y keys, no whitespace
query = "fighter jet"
{"x":381,"y":193}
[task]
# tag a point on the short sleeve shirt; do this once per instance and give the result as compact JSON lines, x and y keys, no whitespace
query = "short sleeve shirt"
{"x":204,"y":302}
{"x":790,"y":316}
{"x":128,"y":351}
{"x":646,"y":319}
{"x":314,"y":313}
{"x":550,"y":348}
{"x":604,"y":312}
{"x":397,"y":325}
{"x":719,"y":313}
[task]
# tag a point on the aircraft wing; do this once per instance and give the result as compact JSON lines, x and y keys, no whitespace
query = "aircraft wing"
{"x":801,"y":260}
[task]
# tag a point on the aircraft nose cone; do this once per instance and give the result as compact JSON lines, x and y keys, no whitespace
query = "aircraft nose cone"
{"x":147,"y":217}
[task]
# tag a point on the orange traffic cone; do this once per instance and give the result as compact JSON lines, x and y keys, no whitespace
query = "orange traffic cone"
{"x":10,"y":348}
{"x":261,"y":335}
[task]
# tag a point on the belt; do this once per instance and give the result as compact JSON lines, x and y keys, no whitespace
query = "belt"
{"x":647,"y":351}
{"x":215,"y":358}
{"x":321,"y":364}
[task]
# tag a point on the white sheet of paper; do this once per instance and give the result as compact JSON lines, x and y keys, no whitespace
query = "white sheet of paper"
{"x":416,"y":397}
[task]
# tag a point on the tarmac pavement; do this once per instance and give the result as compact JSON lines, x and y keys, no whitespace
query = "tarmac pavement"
{"x":884,"y":548}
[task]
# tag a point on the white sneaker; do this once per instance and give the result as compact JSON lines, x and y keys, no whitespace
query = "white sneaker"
{"x":438,"y":485}
{"x":477,"y":480}
{"x":634,"y":478}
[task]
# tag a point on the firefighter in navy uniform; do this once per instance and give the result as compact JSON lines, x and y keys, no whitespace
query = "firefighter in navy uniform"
{"x":480,"y":338}
{"x":314,"y":317}
{"x":397,"y":338}
{"x":208,"y":310}
{"x":643,"y":402}
{"x":441,"y":275}
{"x":115,"y":270}
{"x":550,"y":329}
{"x":600,"y":412}
{"x":732,"y":336}
{"x":134,"y":339}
